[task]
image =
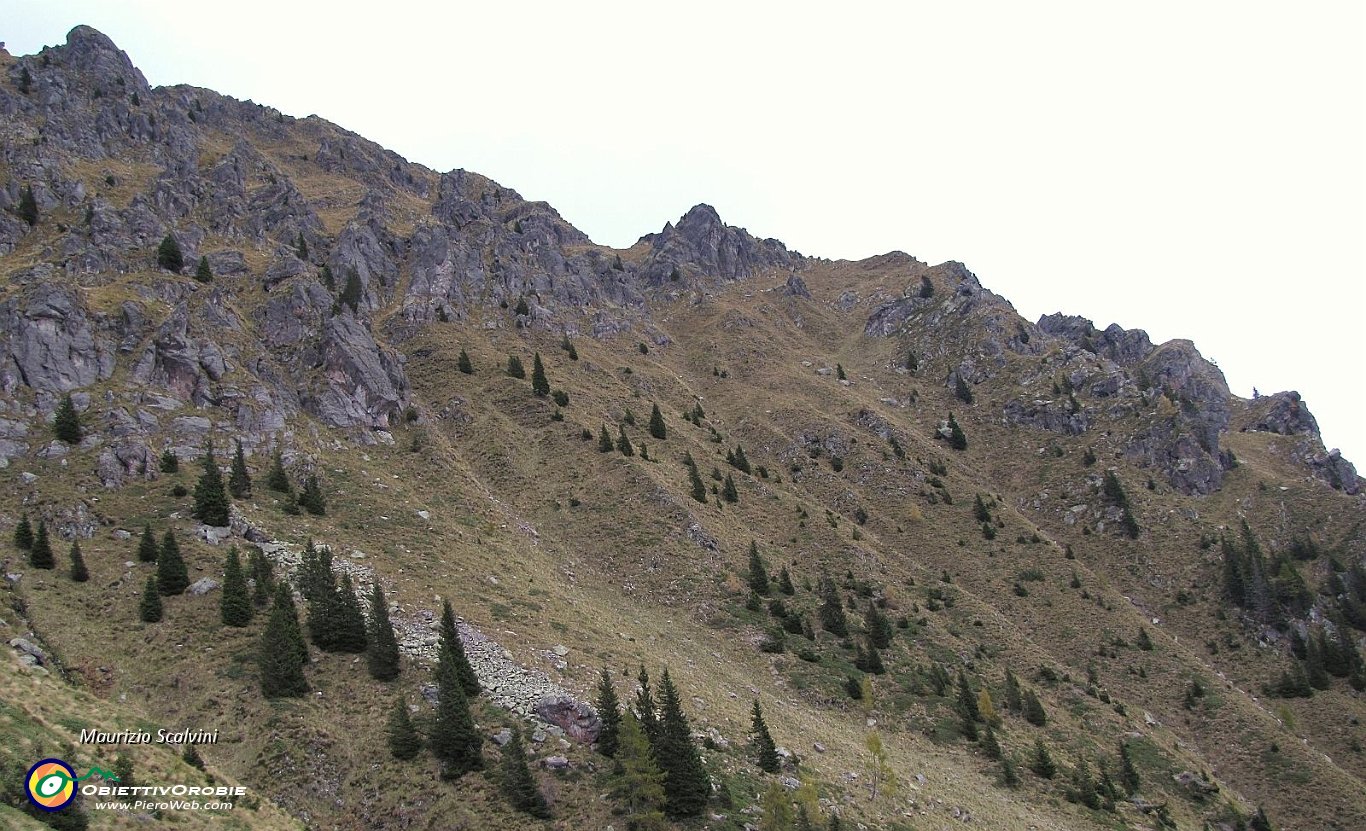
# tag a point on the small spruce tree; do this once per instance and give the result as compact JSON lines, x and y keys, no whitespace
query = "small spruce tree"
{"x":728,"y":490}
{"x":1033,"y":709}
{"x":454,"y":740}
{"x":645,"y":708}
{"x":785,"y":582}
{"x":604,"y":440}
{"x":172,"y":576}
{"x":699,"y":490}
{"x":1128,"y":774}
{"x":639,"y":782}
{"x":28,"y":204}
{"x":518,"y":785}
{"x":239,"y":481}
{"x":210,"y":498}
{"x":23,"y":534}
{"x":539,"y":385}
{"x":765,"y":750}
{"x":463,"y":363}
{"x":147,"y":546}
{"x":203,"y":273}
{"x":515,"y":368}
{"x":150,"y":610}
{"x":609,"y":713}
{"x":624,"y":443}
{"x":449,"y":640}
{"x":352,"y":293}
{"x":832,"y":609}
{"x":382,"y":647}
{"x":311,"y":497}
{"x":957,"y":439}
{"x":40,"y":555}
{"x":657,"y":427}
{"x":79,"y":573}
{"x":169,"y":256}
{"x":235,"y":607}
{"x":1042,"y":761}
{"x":282,"y":654}
{"x":262,"y":578}
{"x":277,"y":479}
{"x":404,"y":743}
{"x":758,"y":572}
{"x":191,"y":757}
{"x":686,"y":784}
{"x":169,"y":462}
{"x":66,"y":424}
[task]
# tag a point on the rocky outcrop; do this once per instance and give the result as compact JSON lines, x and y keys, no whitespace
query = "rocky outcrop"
{"x":1282,"y":413}
{"x":703,"y":248}
{"x":1123,"y":346}
{"x":364,"y":383}
{"x":185,"y":365}
{"x":50,"y":343}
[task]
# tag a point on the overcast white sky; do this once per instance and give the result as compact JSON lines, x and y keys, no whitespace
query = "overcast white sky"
{"x":1196,"y":169}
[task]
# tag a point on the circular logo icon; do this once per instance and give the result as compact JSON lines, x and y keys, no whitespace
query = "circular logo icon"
{"x":51,"y":784}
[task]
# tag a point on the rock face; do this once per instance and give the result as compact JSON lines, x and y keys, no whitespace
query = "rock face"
{"x":578,"y":719}
{"x":50,"y":344}
{"x":702,"y":247}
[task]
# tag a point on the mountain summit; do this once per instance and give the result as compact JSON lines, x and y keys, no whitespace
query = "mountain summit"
{"x":783,"y":536}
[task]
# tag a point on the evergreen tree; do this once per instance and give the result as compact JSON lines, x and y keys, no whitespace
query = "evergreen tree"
{"x":1042,"y":762}
{"x":957,"y":439}
{"x":785,"y":583}
{"x":646,"y":710}
{"x":311,"y":497}
{"x":1009,"y":777}
{"x":28,"y":203}
{"x":79,"y":573}
{"x":66,"y":424}
{"x":210,"y":499}
{"x":926,"y":287}
{"x":301,"y":248}
{"x":203,"y":273}
{"x":991,"y":746}
{"x":261,"y":576}
{"x":1128,"y":774}
{"x":169,"y":255}
{"x":1083,"y":786}
{"x":239,"y":481}
{"x":699,"y":490}
{"x":147,"y":546}
{"x":170,"y":462}
{"x":765,"y":750}
{"x":728,"y":491}
{"x":172,"y":575}
{"x":1260,"y":821}
{"x":961,"y":389}
{"x":454,"y":740}
{"x":657,"y":427}
{"x":839,"y":373}
{"x":604,"y":440}
{"x":23,"y":534}
{"x":1013,"y":700}
{"x":449,"y":640}
{"x":235,"y":607}
{"x":277,"y":479}
{"x":190,"y":756}
{"x":967,"y":699}
{"x":1033,"y":710}
{"x":758,"y":572}
{"x":282,"y":653}
{"x":404,"y":743}
{"x":518,"y":785}
{"x":40,"y":555}
{"x":912,"y":362}
{"x":832,"y":609}
{"x":150,"y":610}
{"x":639,"y":783}
{"x":381,"y":654}
{"x":776,"y":808}
{"x":623,"y":443}
{"x":737,"y":459}
{"x":609,"y":713}
{"x":352,"y":293}
{"x":515,"y":368}
{"x":539,"y":385}
{"x":686,"y":785}
{"x":463,"y":363}
{"x":878,"y":627}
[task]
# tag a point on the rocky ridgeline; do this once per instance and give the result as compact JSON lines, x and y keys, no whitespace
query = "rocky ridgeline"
{"x":529,"y":693}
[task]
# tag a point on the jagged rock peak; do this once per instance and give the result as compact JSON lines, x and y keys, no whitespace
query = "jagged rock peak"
{"x":702,"y":246}
{"x":89,"y":50}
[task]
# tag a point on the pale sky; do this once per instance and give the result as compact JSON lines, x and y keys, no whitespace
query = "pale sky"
{"x":1195,"y":169}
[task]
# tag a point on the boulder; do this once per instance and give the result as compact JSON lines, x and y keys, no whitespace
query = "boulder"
{"x":578,"y":719}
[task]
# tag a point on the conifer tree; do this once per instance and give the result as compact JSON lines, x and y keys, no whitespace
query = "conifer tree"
{"x":646,"y":710}
{"x":404,"y":743}
{"x":776,"y":808}
{"x":991,"y":746}
{"x":515,"y":368}
{"x":454,"y":740}
{"x":169,"y":256}
{"x":967,"y":702}
{"x":832,"y":609}
{"x":169,"y":462}
{"x":609,"y":713}
{"x":40,"y":555}
{"x":657,"y":427}
{"x":539,"y":385}
{"x":23,"y":534}
{"x":147,"y":546}
{"x":172,"y":576}
{"x":261,"y":576}
{"x":301,"y":248}
{"x":79,"y":573}
{"x":149,"y":610}
{"x":623,"y":443}
{"x":210,"y":499}
{"x":640,"y":782}
{"x":686,"y":784}
{"x":1259,"y":821}
{"x":449,"y":639}
{"x":1042,"y":761}
{"x":235,"y":607}
{"x":28,"y":203}
{"x":758,"y":572}
{"x":381,"y":654}
{"x":239,"y":481}
{"x":785,"y":582}
{"x":277,"y":479}
{"x":912,"y":362}
{"x":463,"y":363}
{"x":352,"y":293}
{"x":1033,"y":709}
{"x":728,"y":491}
{"x":1009,"y":776}
{"x":316,"y":580}
{"x":191,"y":757}
{"x":604,"y":440}
{"x":699,"y":490}
{"x":518,"y":785}
{"x":311,"y":497}
{"x":957,"y":439}
{"x":66,"y":423}
{"x":839,"y":373}
{"x":203,"y":273}
{"x":1128,"y":774}
{"x":961,"y":389}
{"x":1013,"y":700}
{"x":878,"y":627}
{"x":282,"y":653}
{"x":765,"y":750}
